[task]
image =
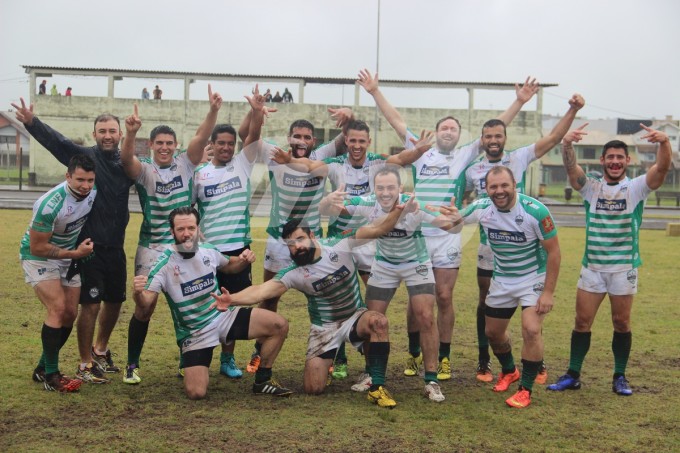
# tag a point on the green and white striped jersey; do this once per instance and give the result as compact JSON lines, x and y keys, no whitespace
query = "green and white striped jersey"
{"x":60,"y":213}
{"x":613,"y":219}
{"x":160,"y":191}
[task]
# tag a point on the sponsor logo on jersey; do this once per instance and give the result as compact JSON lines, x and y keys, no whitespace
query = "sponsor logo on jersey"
{"x":506,"y":236}
{"x":169,"y":187}
{"x":548,"y":224}
{"x":397,"y":233}
{"x":538,"y":288}
{"x":54,"y":201}
{"x":611,"y":205}
{"x":223,"y":187}
{"x":482,"y":183}
{"x":198,"y":285}
{"x":421,"y":269}
{"x":434,"y":170}
{"x":357,"y":189}
{"x":75,"y":225}
{"x":519,"y":220}
{"x":331,"y":279}
{"x":301,"y":181}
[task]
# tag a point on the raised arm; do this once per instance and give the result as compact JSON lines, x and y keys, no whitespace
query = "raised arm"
{"x":257,"y":113}
{"x":342,"y":117}
{"x":576,"y":175}
{"x":449,"y":219}
{"x":140,"y":293}
{"x":131,"y":165}
{"x":545,"y":300}
{"x":41,"y":247}
{"x":197,"y":144}
{"x":524,"y":94}
{"x":548,"y":142}
{"x":408,"y":156}
{"x":656,"y":175}
{"x":238,"y":263}
{"x":249,"y":296}
{"x":370,"y":84}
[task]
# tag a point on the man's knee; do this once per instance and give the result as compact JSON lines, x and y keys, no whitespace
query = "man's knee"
{"x":196,"y":392}
{"x":378,"y":322}
{"x":279,"y":327}
{"x":312,"y":388}
{"x":531,"y":334}
{"x":582,"y":323}
{"x":621,"y":322}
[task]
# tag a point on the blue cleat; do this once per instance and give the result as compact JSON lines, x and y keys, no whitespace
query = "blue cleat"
{"x":621,"y":387}
{"x":229,"y":368}
{"x":565,"y":382}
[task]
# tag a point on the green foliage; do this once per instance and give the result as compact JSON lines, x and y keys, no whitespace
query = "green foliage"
{"x":156,"y":416}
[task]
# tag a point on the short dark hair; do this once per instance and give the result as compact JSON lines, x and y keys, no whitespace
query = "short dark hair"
{"x":222,"y":129}
{"x":499,"y":169}
{"x":106,"y":117}
{"x":389,"y":170}
{"x":436,"y":128}
{"x":80,"y":161}
{"x":301,"y":123}
{"x":493,"y":123}
{"x":162,"y":129}
{"x":184,"y":210}
{"x":358,"y":125}
{"x":292,"y":225}
{"x":614,"y":144}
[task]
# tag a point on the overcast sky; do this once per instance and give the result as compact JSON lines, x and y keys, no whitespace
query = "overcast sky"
{"x":623,"y":56}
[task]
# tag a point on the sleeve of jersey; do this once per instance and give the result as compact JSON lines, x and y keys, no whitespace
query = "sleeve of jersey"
{"x":156,"y":280}
{"x":287,"y":276}
{"x":325,"y":151}
{"x":335,"y":175}
{"x":185,"y":162}
{"x":143,"y":175}
{"x":45,"y":216}
{"x":469,"y":151}
{"x":639,"y":189}
{"x":526,"y":154}
{"x":587,"y":190}
{"x":472,"y":212}
{"x":408,"y":144}
{"x":546,"y":223}
{"x":264,"y":154}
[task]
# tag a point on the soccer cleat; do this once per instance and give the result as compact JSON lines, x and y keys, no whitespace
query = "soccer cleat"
{"x":542,"y":376}
{"x":565,"y":382}
{"x":363,"y":383}
{"x":92,"y":374}
{"x":444,"y":370}
{"x":484,"y":373}
{"x":413,"y":365}
{"x":505,"y":379}
{"x":381,"y":397}
{"x":131,"y":375}
{"x":254,"y":363}
{"x":339,"y":371}
{"x":329,"y":376}
{"x":57,"y":382}
{"x":180,"y":373}
{"x":621,"y":387}
{"x":38,"y":374}
{"x":433,"y":392}
{"x":520,"y":399}
{"x":105,"y":362}
{"x":271,"y":387}
{"x":230,"y":369}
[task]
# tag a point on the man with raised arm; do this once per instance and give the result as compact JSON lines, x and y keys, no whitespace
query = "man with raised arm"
{"x":493,"y":140}
{"x":614,"y":205}
{"x":435,"y":175}
{"x":163,"y":183}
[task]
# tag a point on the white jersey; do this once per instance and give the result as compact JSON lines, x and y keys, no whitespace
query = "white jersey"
{"x":222,"y":195}
{"x":60,"y":213}
{"x":436,"y":176}
{"x":329,"y":283}
{"x":187,"y":284}
{"x":517,"y":161}
{"x":514,"y":235}
{"x":160,"y":191}
{"x":404,"y":245}
{"x":613,"y":219}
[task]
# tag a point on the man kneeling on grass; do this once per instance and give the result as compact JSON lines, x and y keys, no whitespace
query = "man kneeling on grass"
{"x":324,"y":271}
{"x":186,"y":273}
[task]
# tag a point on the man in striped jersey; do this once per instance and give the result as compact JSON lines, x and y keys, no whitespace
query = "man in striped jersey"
{"x":163,"y":183}
{"x":435,"y":175}
{"x":526,"y":254}
{"x":46,"y":252}
{"x":325,"y":272}
{"x":474,"y":177}
{"x":614,"y":205}
{"x":186,"y":274}
{"x":222,"y":195}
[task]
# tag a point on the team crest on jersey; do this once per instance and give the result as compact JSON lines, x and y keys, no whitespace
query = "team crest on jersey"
{"x":611,"y":205}
{"x":434,"y":170}
{"x":421,"y":269}
{"x":206,"y":261}
{"x":506,"y":236}
{"x":230,"y":168}
{"x":631,"y":276}
{"x":94,"y":292}
{"x":505,"y":161}
{"x":451,"y":253}
{"x":331,"y":279}
{"x":624,"y":188}
{"x":301,"y":182}
{"x":169,"y":187}
{"x":333,"y":257}
{"x":519,"y":220}
{"x":365,"y":170}
{"x":548,"y":224}
{"x":223,"y":187}
{"x":198,"y":284}
{"x":186,"y":343}
{"x":175,"y":270}
{"x":538,"y":288}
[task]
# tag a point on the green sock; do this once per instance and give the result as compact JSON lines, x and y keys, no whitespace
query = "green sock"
{"x":65,"y":333}
{"x":51,"y":339}
{"x":430,"y":376}
{"x":529,"y":372}
{"x":377,"y":357}
{"x":507,"y":362}
{"x":621,"y":344}
{"x":341,"y":355}
{"x":137,"y":331}
{"x":444,"y":350}
{"x":580,"y":344}
{"x":414,"y":343}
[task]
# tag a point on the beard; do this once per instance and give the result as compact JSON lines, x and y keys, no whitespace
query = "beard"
{"x":188,"y":247}
{"x":304,"y":257}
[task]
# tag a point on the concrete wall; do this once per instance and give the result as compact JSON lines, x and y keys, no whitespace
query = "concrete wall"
{"x":73,"y":116}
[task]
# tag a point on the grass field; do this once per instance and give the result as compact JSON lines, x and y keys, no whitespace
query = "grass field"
{"x":156,"y":416}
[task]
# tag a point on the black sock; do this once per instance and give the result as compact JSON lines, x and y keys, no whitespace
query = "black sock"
{"x":137,"y":331}
{"x":51,"y":342}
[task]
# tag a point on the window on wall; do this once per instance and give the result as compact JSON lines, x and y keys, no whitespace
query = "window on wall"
{"x":8,"y":139}
{"x":588,"y":153}
{"x":142,"y":147}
